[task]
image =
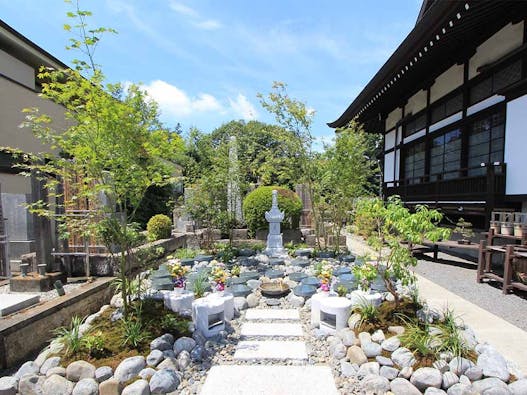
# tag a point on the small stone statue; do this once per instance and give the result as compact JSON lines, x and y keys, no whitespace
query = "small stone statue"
{"x":274,"y":216}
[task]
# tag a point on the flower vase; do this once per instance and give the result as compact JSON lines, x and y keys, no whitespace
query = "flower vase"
{"x":179,"y":290}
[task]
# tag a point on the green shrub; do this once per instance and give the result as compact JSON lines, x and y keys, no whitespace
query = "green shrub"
{"x":159,"y":227}
{"x":257,"y":202}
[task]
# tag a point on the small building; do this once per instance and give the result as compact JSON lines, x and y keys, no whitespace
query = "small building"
{"x":20,"y":60}
{"x":451,"y":105}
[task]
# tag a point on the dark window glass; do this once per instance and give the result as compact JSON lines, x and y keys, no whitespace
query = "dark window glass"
{"x":485,"y":143}
{"x":447,"y":108}
{"x":507,"y":76}
{"x":414,"y":163}
{"x":445,"y":156}
{"x":415,"y":125}
{"x":499,"y":80}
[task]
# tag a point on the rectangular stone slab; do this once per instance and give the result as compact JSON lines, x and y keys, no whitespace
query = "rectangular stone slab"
{"x":271,"y":329}
{"x":10,"y":303}
{"x":270,"y":349}
{"x":269,"y":380}
{"x":272,"y":314}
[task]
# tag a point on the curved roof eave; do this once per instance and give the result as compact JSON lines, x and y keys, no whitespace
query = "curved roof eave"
{"x":429,"y":22}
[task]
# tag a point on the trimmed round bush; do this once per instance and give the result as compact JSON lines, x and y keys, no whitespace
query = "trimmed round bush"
{"x":159,"y":227}
{"x":260,"y":200}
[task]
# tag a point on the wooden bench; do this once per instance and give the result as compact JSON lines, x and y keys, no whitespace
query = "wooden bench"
{"x":513,"y":254}
{"x":434,"y":246}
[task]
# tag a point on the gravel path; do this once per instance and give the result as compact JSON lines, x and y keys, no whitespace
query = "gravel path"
{"x":459,"y":276}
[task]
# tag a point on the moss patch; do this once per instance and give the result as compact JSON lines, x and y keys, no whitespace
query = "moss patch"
{"x":156,"y":320}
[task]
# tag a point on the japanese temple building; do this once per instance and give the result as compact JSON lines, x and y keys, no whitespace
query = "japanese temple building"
{"x":451,"y":104}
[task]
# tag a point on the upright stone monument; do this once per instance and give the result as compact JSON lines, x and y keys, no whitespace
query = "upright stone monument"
{"x":274,"y":216}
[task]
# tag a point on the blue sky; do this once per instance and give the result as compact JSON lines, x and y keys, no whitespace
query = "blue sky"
{"x":204,"y":61}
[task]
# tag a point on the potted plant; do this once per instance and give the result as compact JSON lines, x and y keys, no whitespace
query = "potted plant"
{"x":179,"y":273}
{"x":464,"y":228}
{"x":218,"y":276}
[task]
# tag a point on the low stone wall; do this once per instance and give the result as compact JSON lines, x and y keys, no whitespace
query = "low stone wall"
{"x":26,"y":333}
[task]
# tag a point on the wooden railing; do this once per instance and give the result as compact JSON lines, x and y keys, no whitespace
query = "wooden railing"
{"x":482,"y":183}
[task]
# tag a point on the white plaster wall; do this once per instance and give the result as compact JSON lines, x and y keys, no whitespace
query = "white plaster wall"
{"x":389,"y":140}
{"x":388,"y":166}
{"x":397,"y":163}
{"x":13,"y":99}
{"x":515,"y":143}
{"x":416,"y":103}
{"x":393,"y":117}
{"x":499,"y":44}
{"x":446,"y":82}
{"x":16,"y":70}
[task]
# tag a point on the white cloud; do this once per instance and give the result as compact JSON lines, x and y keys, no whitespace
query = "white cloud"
{"x":175,"y":102}
{"x":209,"y":24}
{"x":196,"y":19}
{"x":243,"y":108}
{"x":183,"y":9}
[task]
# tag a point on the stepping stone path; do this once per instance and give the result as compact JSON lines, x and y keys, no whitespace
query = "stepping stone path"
{"x":277,"y":375}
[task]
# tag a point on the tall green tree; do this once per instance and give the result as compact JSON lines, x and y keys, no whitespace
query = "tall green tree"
{"x":114,"y":149}
{"x":267,"y":154}
{"x":346,"y":172}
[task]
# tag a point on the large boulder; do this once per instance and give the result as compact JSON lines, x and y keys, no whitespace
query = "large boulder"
{"x":155,"y":357}
{"x":489,"y":383}
{"x":374,"y":384}
{"x":493,"y":364}
{"x":164,"y":381}
{"x":459,"y":365}
{"x":110,"y":387}
{"x":49,"y":363}
{"x":518,"y":387}
{"x":103,"y":373}
{"x":183,"y":360}
{"x":28,"y":367}
{"x":403,"y":357}
{"x":400,"y":386}
{"x":79,"y":370}
{"x":356,"y":355}
{"x":8,"y":385}
{"x":371,"y":349}
{"x":391,"y":344}
{"x":368,"y":368}
{"x":184,"y":343}
{"x":139,"y":387}
{"x":31,"y":384}
{"x":426,"y":377}
{"x":86,"y":387}
{"x":129,"y":368}
{"x":57,"y":385}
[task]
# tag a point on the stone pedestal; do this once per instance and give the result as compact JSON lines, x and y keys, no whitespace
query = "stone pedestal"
{"x":179,"y":302}
{"x":228,"y":301}
{"x":208,"y":315}
{"x":315,"y":306}
{"x":34,"y":282}
{"x":359,"y":297}
{"x":334,"y":314}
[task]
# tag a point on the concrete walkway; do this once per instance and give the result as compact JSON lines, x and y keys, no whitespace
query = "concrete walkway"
{"x":270,"y":371}
{"x":508,"y":339}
